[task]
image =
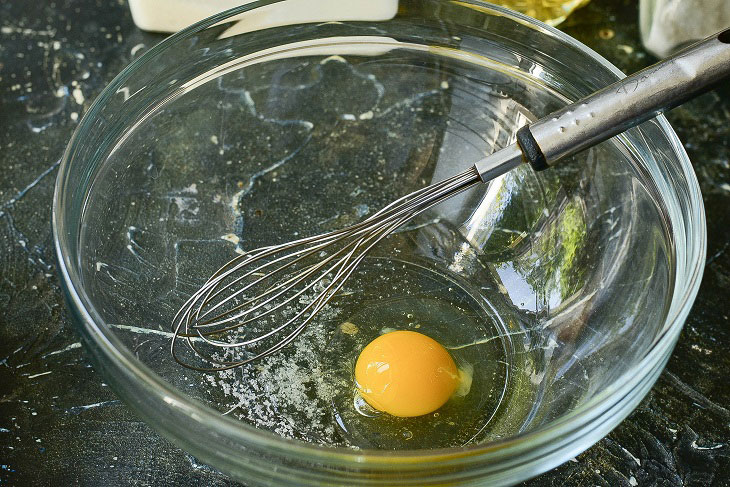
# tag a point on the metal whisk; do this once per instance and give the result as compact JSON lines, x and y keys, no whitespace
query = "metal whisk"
{"x":259,"y":302}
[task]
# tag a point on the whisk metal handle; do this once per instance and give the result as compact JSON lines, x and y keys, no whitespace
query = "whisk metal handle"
{"x":627,"y":102}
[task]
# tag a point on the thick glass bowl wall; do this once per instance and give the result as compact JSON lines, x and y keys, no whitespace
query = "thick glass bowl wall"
{"x":524,"y":70}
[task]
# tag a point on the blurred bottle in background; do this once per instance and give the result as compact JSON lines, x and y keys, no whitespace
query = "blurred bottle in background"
{"x":668,"y":25}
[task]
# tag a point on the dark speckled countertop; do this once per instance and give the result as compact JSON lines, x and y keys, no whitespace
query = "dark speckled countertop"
{"x":59,"y":422}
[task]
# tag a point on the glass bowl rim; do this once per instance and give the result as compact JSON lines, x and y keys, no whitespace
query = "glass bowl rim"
{"x":165,"y":394}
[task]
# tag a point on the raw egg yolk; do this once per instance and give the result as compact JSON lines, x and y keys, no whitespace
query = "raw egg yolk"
{"x":405,"y":373}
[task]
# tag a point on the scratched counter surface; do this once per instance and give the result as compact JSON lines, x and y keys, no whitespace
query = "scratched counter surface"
{"x":60,"y":424}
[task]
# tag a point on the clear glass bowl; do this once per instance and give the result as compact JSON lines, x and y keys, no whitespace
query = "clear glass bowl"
{"x":564,"y":291}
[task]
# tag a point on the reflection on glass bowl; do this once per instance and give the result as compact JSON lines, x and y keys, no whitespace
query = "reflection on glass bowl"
{"x":564,"y":291}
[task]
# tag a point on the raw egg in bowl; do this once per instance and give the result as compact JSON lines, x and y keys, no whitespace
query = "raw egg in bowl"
{"x":520,"y":321}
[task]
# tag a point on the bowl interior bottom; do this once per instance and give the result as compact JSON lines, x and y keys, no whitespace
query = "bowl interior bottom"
{"x":535,"y":283}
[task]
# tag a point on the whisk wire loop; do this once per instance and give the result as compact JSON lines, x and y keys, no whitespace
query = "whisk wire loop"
{"x":259,"y":302}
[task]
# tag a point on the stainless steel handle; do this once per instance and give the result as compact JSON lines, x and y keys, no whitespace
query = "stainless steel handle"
{"x":627,"y":102}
